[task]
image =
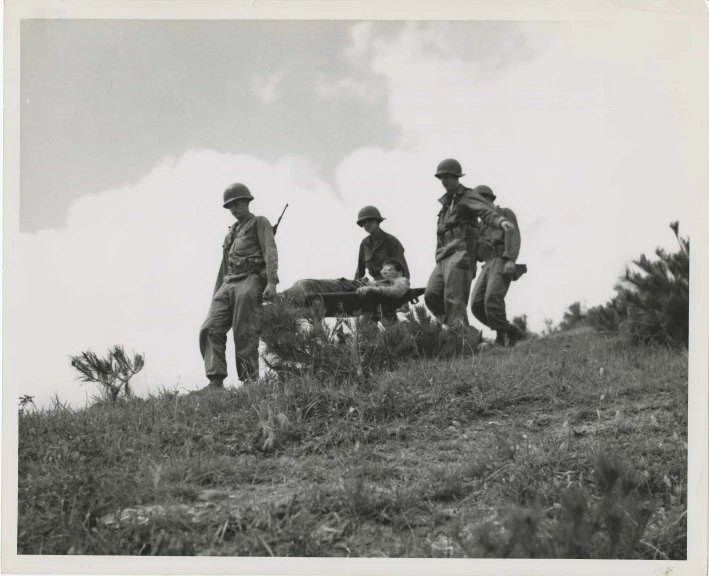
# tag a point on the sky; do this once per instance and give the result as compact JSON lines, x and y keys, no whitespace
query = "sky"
{"x":131,"y":130}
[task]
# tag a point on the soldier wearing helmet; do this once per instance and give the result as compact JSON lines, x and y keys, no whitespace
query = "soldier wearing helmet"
{"x":248,"y":273}
{"x":448,"y":288}
{"x":375,"y":249}
{"x":498,"y":249}
{"x":377,"y":246}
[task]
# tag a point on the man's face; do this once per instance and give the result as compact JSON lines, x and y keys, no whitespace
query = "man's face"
{"x":449,"y":181}
{"x":389,"y":272}
{"x":239,"y":208}
{"x":370,"y":225}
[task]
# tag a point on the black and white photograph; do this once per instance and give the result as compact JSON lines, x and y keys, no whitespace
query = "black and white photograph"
{"x":319,"y":282}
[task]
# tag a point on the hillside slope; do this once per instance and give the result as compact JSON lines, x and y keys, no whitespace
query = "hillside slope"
{"x":569,"y":446}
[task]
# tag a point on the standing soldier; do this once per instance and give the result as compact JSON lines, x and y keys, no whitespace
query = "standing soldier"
{"x":448,"y":288}
{"x":498,"y":250}
{"x":248,"y":273}
{"x":375,"y":248}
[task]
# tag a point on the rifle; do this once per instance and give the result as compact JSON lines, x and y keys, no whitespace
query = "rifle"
{"x":275,"y":228}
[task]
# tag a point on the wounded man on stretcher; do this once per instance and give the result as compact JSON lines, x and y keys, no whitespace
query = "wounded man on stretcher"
{"x":343,"y":296}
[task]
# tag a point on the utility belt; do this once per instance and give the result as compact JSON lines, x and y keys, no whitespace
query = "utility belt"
{"x":454,"y":234}
{"x":487,"y":252}
{"x":241,"y":267}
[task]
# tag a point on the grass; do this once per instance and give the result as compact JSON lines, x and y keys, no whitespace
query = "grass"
{"x":561,"y":447}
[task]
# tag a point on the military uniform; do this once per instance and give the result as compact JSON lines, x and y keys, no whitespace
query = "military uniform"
{"x":249,"y":263}
{"x":448,"y":288}
{"x":374,"y":249}
{"x":496,"y":247}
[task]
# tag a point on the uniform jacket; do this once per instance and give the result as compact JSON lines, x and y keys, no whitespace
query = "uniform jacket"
{"x":458,"y":221}
{"x":249,"y":247}
{"x":495,"y":242}
{"x":373,"y":252}
{"x":392,"y":288}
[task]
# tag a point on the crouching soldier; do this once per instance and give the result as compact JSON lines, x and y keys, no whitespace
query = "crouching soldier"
{"x":374,"y":250}
{"x":248,"y":274}
{"x":498,"y":250}
{"x":448,"y":288}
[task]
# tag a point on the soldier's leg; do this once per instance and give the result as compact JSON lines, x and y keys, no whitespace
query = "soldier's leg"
{"x":247,"y":297}
{"x":458,"y":276}
{"x":303,"y":288}
{"x":212,"y":335}
{"x":497,"y":286}
{"x":477,"y":304}
{"x":433,"y":296}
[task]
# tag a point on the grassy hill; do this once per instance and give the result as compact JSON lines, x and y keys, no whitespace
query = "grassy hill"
{"x":571,"y":446}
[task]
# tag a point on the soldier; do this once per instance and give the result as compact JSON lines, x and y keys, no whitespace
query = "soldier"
{"x":375,"y":248}
{"x":393,"y":283}
{"x":498,"y":250}
{"x":448,"y":287}
{"x":248,"y":274}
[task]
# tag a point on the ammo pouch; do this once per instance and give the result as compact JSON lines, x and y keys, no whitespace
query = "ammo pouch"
{"x":520,"y":269}
{"x":454,"y":234}
{"x":246,"y":266}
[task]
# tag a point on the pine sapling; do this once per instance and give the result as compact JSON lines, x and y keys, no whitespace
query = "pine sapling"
{"x":113,"y":373}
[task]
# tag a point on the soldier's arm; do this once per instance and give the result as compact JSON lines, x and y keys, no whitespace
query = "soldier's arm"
{"x":397,"y":289}
{"x":268,"y":247}
{"x":220,"y":274}
{"x":513,"y":239}
{"x":482,"y":208}
{"x":361,"y":265}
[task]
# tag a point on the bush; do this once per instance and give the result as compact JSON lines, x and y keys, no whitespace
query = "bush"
{"x":608,"y":317}
{"x":573,"y":316}
{"x":112,"y":373}
{"x":652,"y":302}
{"x":609,"y":524}
{"x":301,"y":340}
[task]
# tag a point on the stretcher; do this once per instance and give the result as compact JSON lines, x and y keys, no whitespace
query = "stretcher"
{"x":338,"y":304}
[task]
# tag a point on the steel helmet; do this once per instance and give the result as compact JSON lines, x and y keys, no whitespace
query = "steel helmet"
{"x":485,"y":191}
{"x":449,"y":166}
{"x":367,"y":213}
{"x":236,"y":192}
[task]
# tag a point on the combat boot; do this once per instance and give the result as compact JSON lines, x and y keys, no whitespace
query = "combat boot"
{"x":215,"y":385}
{"x":501,"y":339}
{"x":515,"y":334}
{"x":509,"y":337}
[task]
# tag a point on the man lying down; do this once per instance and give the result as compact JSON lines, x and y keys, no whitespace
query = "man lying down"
{"x":392,"y":285}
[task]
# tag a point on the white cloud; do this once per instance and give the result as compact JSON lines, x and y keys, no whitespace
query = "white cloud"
{"x":361,"y":83}
{"x":266,"y":86}
{"x":360,"y":45}
{"x":369,"y":92}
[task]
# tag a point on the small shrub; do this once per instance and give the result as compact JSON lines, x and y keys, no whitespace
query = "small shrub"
{"x":573,"y":316}
{"x":112,"y":373}
{"x":608,"y":317}
{"x":652,"y":301}
{"x":605,"y":525}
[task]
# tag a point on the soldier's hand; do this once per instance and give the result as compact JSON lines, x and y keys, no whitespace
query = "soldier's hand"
{"x":362,"y":291}
{"x":510,"y":268}
{"x":270,"y":292}
{"x":507,"y":226}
